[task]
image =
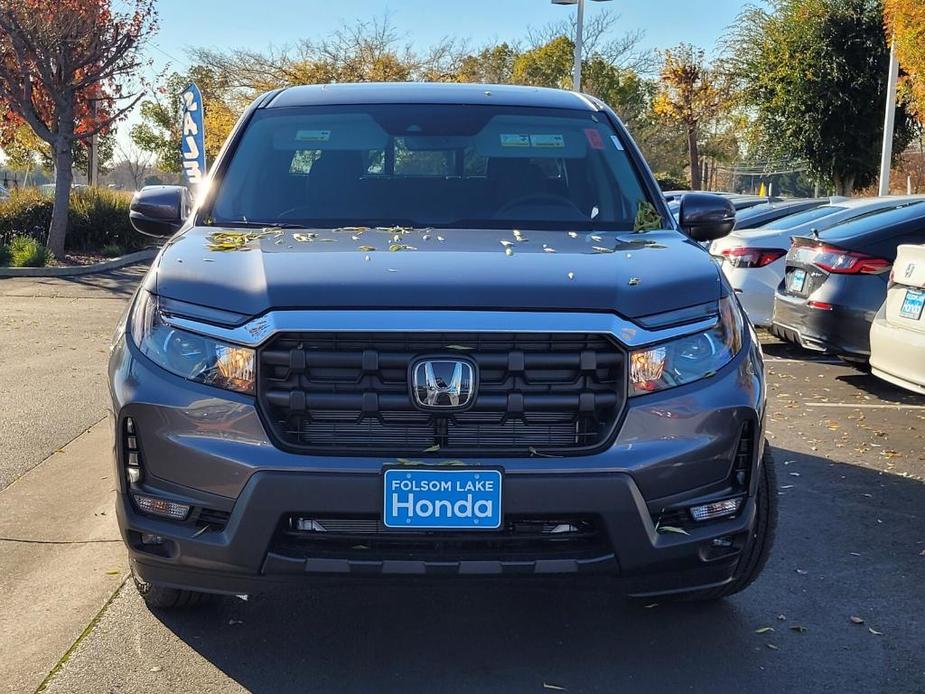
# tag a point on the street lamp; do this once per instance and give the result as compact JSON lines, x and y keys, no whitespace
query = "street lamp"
{"x":576,"y":64}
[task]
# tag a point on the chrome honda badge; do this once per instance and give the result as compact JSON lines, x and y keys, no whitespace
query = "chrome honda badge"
{"x":442,"y":383}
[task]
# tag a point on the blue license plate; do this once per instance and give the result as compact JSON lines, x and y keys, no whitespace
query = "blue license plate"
{"x":912,"y":304}
{"x":442,"y":499}
{"x":796,"y":280}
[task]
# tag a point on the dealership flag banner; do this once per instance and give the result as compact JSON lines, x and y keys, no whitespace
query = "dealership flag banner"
{"x":192,"y":147}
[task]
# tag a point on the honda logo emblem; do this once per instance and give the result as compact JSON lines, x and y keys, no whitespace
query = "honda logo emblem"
{"x":438,"y":384}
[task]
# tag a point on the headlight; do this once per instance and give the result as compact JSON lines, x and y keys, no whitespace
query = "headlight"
{"x":188,"y":355}
{"x":691,"y":357}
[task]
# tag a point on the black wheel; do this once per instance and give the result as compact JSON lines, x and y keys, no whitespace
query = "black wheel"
{"x":756,"y":554}
{"x":164,"y":598}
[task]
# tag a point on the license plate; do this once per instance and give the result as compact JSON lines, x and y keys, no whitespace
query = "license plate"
{"x":442,"y":499}
{"x":912,"y":304}
{"x":796,"y":280}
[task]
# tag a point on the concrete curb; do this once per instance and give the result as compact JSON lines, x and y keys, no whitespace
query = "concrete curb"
{"x":115,"y":263}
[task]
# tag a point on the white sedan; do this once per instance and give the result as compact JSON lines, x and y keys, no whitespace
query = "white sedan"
{"x":897,"y":335}
{"x":754,"y":259}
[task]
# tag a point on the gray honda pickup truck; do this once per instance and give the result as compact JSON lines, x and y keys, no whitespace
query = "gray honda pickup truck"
{"x":432,"y":332}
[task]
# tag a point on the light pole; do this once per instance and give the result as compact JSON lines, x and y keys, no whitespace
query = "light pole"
{"x":888,"y":121}
{"x":579,"y":26}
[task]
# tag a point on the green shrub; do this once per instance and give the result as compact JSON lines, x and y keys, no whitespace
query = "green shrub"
{"x":25,"y":251}
{"x":112,"y":250}
{"x":98,"y":217}
{"x":25,"y":213}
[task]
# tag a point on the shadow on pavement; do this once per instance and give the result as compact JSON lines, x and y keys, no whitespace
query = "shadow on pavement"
{"x":849,"y":544}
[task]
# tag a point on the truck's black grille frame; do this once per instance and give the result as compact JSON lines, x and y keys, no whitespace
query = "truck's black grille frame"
{"x":347,"y":393}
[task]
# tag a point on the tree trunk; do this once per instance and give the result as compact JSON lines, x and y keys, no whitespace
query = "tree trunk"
{"x":844,"y":183}
{"x":695,"y":157}
{"x":64,"y":176}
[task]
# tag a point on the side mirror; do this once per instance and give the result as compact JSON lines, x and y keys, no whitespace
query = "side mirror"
{"x":706,"y":217}
{"x":160,"y":210}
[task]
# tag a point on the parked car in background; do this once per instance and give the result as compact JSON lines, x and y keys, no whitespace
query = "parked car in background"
{"x":897,"y":335}
{"x":754,"y":259}
{"x":4,"y":193}
{"x":739,"y":201}
{"x":758,"y":215}
{"x":836,"y":280}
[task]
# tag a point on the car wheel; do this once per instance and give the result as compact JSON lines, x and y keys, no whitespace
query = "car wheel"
{"x":164,"y":598}
{"x":756,"y":554}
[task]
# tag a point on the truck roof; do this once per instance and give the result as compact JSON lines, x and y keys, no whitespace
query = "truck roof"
{"x":429,"y":93}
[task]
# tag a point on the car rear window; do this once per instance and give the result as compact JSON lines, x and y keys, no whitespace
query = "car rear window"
{"x":795,"y":220}
{"x":430,"y":165}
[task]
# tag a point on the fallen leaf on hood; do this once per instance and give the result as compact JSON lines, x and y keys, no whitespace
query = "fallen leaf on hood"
{"x":554,"y":687}
{"x":799,"y":628}
{"x":874,"y":631}
{"x":772,"y":646}
{"x":432,"y":449}
{"x":856,"y":620}
{"x":802,"y":572}
{"x":366,"y":249}
{"x":764,"y":630}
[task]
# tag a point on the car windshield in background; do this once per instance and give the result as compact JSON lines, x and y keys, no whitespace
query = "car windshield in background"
{"x":430,"y":165}
{"x":799,"y":218}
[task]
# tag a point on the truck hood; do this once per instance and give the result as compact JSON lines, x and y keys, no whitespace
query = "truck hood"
{"x":250,"y":271}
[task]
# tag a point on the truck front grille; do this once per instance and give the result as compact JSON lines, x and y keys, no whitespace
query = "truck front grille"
{"x":348,"y":393}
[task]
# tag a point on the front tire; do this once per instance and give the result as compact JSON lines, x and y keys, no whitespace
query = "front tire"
{"x":755,"y":556}
{"x":164,"y":598}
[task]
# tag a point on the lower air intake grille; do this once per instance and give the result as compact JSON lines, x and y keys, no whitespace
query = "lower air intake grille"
{"x":348,"y":393}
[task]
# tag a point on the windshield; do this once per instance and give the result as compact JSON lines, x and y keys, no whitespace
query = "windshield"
{"x":430,"y":166}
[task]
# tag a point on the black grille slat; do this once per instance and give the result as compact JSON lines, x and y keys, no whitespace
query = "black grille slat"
{"x":518,"y":538}
{"x":342,"y":393}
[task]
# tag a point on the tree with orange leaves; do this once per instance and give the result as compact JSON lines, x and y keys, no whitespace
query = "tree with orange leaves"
{"x":66,"y":70}
{"x":905,"y":22}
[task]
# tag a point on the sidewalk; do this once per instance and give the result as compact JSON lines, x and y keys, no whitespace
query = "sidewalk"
{"x":61,"y":558}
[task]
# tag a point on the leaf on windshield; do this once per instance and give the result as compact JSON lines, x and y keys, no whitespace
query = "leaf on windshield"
{"x":647,"y":217}
{"x":601,"y":249}
{"x":395,"y":247}
{"x":366,"y":249}
{"x":304,"y":237}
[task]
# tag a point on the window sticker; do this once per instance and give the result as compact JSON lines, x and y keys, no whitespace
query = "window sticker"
{"x":616,"y":142}
{"x":313,"y":135}
{"x":547,"y":141}
{"x":594,"y":138}
{"x":511,"y":140}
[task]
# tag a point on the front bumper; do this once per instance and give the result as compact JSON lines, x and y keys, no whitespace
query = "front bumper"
{"x":208,"y":448}
{"x":236,"y":559}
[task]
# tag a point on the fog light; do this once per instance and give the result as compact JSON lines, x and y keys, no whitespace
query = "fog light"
{"x":129,"y":425}
{"x":134,"y":475}
{"x":717,"y":509}
{"x":161,"y":507}
{"x":149,"y":539}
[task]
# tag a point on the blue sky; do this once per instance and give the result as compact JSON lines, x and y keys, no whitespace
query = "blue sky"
{"x":246,"y":23}
{"x":260,"y":23}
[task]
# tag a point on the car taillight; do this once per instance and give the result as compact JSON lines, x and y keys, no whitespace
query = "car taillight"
{"x":744,"y":257}
{"x":841,"y":262}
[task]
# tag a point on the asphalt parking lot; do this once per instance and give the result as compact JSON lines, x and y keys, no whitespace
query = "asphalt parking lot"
{"x":840,"y":606}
